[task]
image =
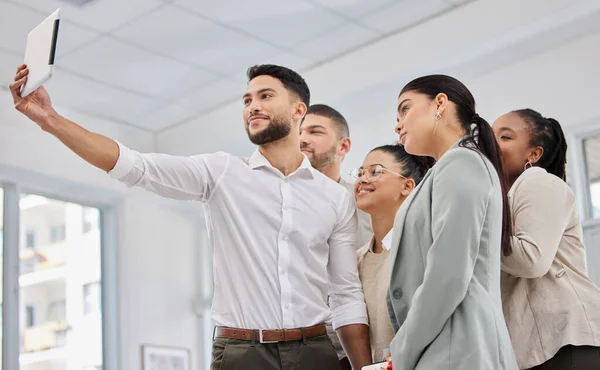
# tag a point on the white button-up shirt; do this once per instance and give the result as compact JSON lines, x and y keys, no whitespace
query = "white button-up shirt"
{"x":280,"y":244}
{"x":386,"y":243}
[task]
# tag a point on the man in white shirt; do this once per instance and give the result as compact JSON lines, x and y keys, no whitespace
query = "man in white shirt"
{"x":325,"y":140}
{"x":282,"y":234}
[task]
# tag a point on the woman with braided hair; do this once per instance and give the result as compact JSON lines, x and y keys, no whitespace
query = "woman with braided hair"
{"x":385,"y":179}
{"x":551,"y":307}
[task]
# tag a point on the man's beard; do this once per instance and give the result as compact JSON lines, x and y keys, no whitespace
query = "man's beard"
{"x":323,"y":160}
{"x":278,"y":128}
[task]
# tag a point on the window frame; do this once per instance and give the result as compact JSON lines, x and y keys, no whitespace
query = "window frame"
{"x":577,"y":166}
{"x":594,"y":134}
{"x":16,"y":181}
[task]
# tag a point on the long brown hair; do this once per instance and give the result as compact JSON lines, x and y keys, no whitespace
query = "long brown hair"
{"x":482,"y":138}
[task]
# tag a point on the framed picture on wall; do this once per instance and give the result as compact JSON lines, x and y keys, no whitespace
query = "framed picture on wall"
{"x":165,"y":358}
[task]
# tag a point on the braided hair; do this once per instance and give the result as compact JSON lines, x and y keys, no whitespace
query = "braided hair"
{"x":547,"y":133}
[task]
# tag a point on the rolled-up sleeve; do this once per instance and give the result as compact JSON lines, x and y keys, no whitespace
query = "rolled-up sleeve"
{"x":176,"y":177}
{"x":346,"y":296}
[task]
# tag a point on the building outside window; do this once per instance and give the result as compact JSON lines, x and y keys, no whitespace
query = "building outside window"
{"x":60,"y":261}
{"x":91,"y":298}
{"x":30,"y":239}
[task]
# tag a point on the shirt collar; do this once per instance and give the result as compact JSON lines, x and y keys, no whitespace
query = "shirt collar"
{"x":528,"y":171}
{"x":257,"y":160}
{"x":386,"y":243}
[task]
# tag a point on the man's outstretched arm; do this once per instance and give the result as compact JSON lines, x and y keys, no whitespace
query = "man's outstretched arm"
{"x":96,"y":149}
{"x":177,"y":177}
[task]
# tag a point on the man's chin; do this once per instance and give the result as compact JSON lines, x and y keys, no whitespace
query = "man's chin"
{"x":254,"y":134}
{"x":260,"y":139}
{"x":256,"y":130}
{"x":268,"y":134}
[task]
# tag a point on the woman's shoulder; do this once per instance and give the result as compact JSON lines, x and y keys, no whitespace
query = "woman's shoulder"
{"x":539,"y":180}
{"x":462,"y":156}
{"x":467,"y":164}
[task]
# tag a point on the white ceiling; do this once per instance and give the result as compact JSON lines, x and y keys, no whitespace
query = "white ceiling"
{"x":541,"y":54}
{"x":156,"y":63}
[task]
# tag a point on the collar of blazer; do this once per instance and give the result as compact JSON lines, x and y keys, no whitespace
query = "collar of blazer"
{"x":401,"y":214}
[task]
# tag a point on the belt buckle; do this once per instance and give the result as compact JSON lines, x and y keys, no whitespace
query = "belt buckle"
{"x":260,"y":338}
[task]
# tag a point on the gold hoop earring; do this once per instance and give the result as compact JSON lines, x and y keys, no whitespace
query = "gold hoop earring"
{"x":528,"y":164}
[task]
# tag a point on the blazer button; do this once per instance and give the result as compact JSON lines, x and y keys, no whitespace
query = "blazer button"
{"x":397,"y":293}
{"x":560,"y":273}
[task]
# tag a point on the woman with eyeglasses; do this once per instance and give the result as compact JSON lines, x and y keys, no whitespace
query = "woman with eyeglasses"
{"x":387,"y":176}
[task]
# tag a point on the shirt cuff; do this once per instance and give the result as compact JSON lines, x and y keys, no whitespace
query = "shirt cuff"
{"x":351,"y":313}
{"x":124,"y":163}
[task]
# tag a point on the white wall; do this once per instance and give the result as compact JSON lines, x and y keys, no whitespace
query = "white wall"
{"x":157,"y":240}
{"x":157,"y":275}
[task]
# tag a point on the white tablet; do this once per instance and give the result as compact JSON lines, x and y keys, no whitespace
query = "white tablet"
{"x":40,"y":51}
{"x":376,"y":366}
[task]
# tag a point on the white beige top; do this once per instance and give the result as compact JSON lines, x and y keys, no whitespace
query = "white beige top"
{"x":374,"y":273}
{"x":547,"y":297}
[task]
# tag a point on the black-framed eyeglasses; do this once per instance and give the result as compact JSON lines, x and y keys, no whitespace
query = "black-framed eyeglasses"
{"x":372,"y":172}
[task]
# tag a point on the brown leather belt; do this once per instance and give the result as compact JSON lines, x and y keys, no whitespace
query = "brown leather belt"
{"x":271,"y":336}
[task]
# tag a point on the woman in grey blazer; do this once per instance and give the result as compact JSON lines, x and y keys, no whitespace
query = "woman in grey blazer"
{"x":551,"y":306}
{"x":444,"y":296}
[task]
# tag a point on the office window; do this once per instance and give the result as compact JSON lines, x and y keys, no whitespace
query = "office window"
{"x":53,"y":285}
{"x":30,"y":239}
{"x":91,"y":298}
{"x":592,"y":158}
{"x":57,"y":233}
{"x":29,"y":316}
{"x":91,"y":217}
{"x":57,"y":311}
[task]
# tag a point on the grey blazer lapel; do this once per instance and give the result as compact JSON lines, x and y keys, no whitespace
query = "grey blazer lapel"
{"x":401,"y":216}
